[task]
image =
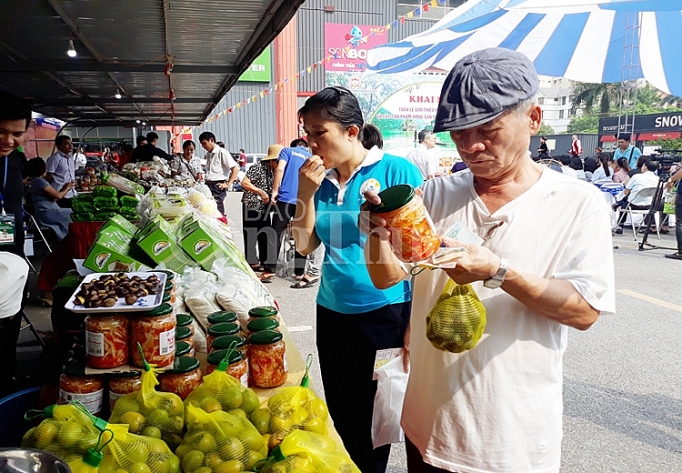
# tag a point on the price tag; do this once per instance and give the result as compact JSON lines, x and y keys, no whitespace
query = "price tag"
{"x":7,"y":229}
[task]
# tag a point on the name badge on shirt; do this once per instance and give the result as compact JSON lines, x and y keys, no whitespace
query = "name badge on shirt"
{"x":7,"y":229}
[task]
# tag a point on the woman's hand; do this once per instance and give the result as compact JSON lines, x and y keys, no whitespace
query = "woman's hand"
{"x":310,"y":178}
{"x":475,"y":263}
{"x":264,"y":197}
{"x":371,"y":223}
{"x":68,"y":186}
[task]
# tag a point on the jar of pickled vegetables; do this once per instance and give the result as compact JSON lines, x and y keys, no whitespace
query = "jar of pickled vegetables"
{"x":122,"y":384}
{"x":265,"y":311}
{"x":237,"y":366}
{"x":184,"y":334}
{"x":267,"y":359}
{"x":75,"y":385}
{"x":221,"y":317}
{"x":183,"y":349}
{"x":224,"y":342}
{"x":413,"y":235}
{"x":183,"y":378}
{"x":185,"y":320}
{"x":168,"y":297}
{"x":258,"y":325}
{"x":155,"y":331}
{"x":218,"y":330}
{"x":106,"y":341}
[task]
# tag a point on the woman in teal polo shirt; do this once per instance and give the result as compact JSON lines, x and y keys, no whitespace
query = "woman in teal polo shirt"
{"x":354,"y":319}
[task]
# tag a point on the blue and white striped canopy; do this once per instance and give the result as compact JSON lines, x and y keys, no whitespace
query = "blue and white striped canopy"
{"x":587,"y":41}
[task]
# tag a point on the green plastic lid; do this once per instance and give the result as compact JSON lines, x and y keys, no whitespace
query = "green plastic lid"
{"x":166,"y":296}
{"x":183,"y":364}
{"x":127,"y":374}
{"x":224,"y":342}
{"x":217,"y":356}
{"x":168,"y":286}
{"x":163,"y":309}
{"x":182,"y":333}
{"x":222,"y":316}
{"x":263,"y":311}
{"x":170,"y":275}
{"x":183,"y":320}
{"x":182,"y":348}
{"x":74,"y":369}
{"x":393,"y":198}
{"x":259,"y":325}
{"x":224,"y":328}
{"x":265,"y":337}
{"x":93,"y":458}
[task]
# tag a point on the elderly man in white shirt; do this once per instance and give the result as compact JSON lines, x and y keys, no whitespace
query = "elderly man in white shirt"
{"x":221,"y":169}
{"x":61,"y":169}
{"x":422,"y":157}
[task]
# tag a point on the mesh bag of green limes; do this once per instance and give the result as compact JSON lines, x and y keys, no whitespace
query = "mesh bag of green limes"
{"x":136,"y":453}
{"x":149,"y":412}
{"x":457,"y":320}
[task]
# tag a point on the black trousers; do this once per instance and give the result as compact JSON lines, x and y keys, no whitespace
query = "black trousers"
{"x":678,"y":221}
{"x":218,"y":194}
{"x":9,"y":334}
{"x":258,"y":233}
{"x":283,"y":213}
{"x":65,"y":203}
{"x":347,"y":345}
{"x":415,"y":462}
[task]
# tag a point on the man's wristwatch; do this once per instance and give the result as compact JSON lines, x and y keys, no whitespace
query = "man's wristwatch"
{"x":498,"y":278}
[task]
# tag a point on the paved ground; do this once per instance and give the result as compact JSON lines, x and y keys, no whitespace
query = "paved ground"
{"x":623,"y":377}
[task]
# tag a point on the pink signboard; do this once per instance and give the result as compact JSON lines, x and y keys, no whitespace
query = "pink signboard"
{"x":357,"y":38}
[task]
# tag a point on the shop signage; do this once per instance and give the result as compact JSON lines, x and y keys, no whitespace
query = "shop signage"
{"x":347,"y":44}
{"x":49,"y":123}
{"x":260,"y":69}
{"x":658,"y":122}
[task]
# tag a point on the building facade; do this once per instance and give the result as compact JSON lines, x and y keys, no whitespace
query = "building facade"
{"x":556,"y":99}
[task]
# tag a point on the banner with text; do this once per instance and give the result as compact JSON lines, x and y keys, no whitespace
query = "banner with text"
{"x":348,"y":44}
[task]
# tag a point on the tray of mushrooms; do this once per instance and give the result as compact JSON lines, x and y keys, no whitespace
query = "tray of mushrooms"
{"x":118,"y":292}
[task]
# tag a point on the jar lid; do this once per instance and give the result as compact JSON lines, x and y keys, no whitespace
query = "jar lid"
{"x":182,"y":348}
{"x":265,"y":337}
{"x":74,"y":369}
{"x":182,"y":332}
{"x":170,"y":275}
{"x":224,"y":342}
{"x":258,"y":325}
{"x":222,"y":316}
{"x":263,"y":311}
{"x":183,"y":364}
{"x":183,"y":319}
{"x":163,"y":309}
{"x":127,"y":374}
{"x":168,"y":286}
{"x":166,"y":296}
{"x":393,"y":198}
{"x":224,"y":328}
{"x":217,"y":356}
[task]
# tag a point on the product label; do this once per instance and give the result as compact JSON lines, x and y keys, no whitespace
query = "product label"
{"x":286,"y":366}
{"x":92,"y":402}
{"x":244,"y":379}
{"x":94,"y":343}
{"x":113,"y":397}
{"x":167,"y":342}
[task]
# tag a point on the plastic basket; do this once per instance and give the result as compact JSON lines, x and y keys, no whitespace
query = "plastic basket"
{"x":12,"y":409}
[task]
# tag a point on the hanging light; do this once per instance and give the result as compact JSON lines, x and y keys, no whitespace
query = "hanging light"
{"x":71,"y":52}
{"x":144,"y":123}
{"x":118,"y":94}
{"x":137,"y":121}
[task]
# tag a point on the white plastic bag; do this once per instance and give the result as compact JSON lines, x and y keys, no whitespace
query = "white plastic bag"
{"x":388,"y":403}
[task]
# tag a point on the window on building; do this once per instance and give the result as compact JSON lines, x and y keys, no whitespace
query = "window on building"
{"x":561,"y":114}
{"x":407,"y":6}
{"x":541,"y":100}
{"x":563,"y":100}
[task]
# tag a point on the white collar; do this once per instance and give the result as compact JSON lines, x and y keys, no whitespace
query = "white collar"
{"x":373,"y":156}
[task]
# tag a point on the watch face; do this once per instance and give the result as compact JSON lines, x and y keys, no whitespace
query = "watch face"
{"x":492,"y":283}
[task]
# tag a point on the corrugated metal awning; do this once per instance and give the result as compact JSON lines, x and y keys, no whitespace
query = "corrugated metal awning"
{"x":171,"y":60}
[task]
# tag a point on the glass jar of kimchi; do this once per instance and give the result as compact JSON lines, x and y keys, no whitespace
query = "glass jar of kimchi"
{"x":155,"y":331}
{"x":221,"y":317}
{"x":258,"y":325}
{"x":413,"y":236}
{"x":75,"y":385}
{"x":218,"y":330}
{"x":267,"y":359}
{"x":261,"y":312}
{"x":184,"y":334}
{"x":106,"y":341}
{"x":224,"y":342}
{"x":183,"y":378}
{"x":237,"y":366}
{"x":122,"y":384}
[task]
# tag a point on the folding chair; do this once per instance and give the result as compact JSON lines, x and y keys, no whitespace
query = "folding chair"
{"x":32,"y":224}
{"x":647,"y":192}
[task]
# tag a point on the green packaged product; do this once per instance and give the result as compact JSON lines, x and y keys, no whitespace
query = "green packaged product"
{"x":128,"y":201}
{"x":102,"y":216}
{"x":82,"y":207}
{"x":82,"y":198}
{"x":104,"y":191}
{"x":82,"y":216}
{"x":106,"y":202}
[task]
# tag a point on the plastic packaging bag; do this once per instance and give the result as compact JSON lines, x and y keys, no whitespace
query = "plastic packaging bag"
{"x":219,"y":442}
{"x":323,"y":455}
{"x":67,"y":431}
{"x":669,"y":204}
{"x":136,"y":453}
{"x":149,"y":412}
{"x":388,"y":403}
{"x":199,"y":294}
{"x":122,"y":184}
{"x":457,"y":321}
{"x":92,"y":459}
{"x":239,"y":291}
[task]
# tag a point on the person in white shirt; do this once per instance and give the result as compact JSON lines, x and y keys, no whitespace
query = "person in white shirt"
{"x":566,"y":166}
{"x":422,"y":157}
{"x":61,"y":169}
{"x":80,"y":159}
{"x":221,"y":169}
{"x":13,"y":277}
{"x":498,"y":406}
{"x":187,"y":166}
{"x":647,"y":179}
{"x":604,"y":171}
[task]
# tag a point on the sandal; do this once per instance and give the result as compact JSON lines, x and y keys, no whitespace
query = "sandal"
{"x":676,"y":255}
{"x":304,"y":283}
{"x":267,"y":277}
{"x":298,"y":277}
{"x":257,"y":268}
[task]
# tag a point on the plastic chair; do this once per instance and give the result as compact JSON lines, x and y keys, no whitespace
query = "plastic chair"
{"x":12,"y":409}
{"x":648,"y":193}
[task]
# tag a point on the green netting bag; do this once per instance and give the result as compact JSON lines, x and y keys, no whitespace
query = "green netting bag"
{"x":311,"y":452}
{"x":219,"y":442}
{"x":457,"y":321}
{"x":149,"y":412}
{"x":136,"y":453}
{"x":67,"y":431}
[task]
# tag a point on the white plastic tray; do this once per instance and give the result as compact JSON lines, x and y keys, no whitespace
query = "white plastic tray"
{"x":143,"y":304}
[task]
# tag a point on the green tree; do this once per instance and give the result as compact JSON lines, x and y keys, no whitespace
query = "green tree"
{"x":601,"y":98}
{"x":583,"y":124}
{"x":545,"y":129}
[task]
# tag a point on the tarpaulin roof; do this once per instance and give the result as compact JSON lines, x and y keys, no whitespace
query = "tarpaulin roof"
{"x":171,"y":61}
